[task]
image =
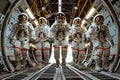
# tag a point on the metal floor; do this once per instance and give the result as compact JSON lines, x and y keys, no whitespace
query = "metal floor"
{"x":68,"y":72}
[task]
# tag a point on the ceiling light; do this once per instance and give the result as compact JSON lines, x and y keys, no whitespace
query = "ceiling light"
{"x":59,"y":5}
{"x":76,"y":8}
{"x":91,"y":11}
{"x":59,"y":2}
{"x":89,"y":14}
{"x":30,"y":13}
{"x":43,"y":8}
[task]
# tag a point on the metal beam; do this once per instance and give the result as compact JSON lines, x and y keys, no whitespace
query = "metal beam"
{"x":83,"y":8}
{"x":74,"y":12}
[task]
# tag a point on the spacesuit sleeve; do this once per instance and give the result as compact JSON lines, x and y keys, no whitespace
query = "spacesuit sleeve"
{"x":91,"y":31}
{"x":13,"y":31}
{"x":52,"y":30}
{"x":68,"y":29}
{"x":48,"y":31}
{"x":36,"y":32}
{"x":72,"y":30}
{"x":32,"y":32}
{"x":108,"y":36}
{"x":92,"y":28}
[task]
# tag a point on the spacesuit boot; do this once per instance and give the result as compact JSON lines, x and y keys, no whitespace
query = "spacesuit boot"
{"x":57,"y":63}
{"x":46,"y":61}
{"x":24,"y":61}
{"x":18,"y":66}
{"x":18,"y":58}
{"x":24,"y":55}
{"x":63,"y":61}
{"x":74,"y":60}
{"x":81,"y":66}
{"x":40,"y":65}
{"x":30,"y":62}
{"x":105,"y":64}
{"x":98,"y":62}
{"x":46,"y":52}
{"x":56,"y":53}
{"x":64,"y":53}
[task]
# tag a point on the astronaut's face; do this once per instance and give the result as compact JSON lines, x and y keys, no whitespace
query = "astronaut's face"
{"x":22,"y":18}
{"x":77,"y":22}
{"x":99,"y":20}
{"x":42,"y":22}
{"x":60,"y":18}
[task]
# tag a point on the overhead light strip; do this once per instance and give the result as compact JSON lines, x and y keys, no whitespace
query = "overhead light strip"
{"x":31,"y":15}
{"x":59,"y":5}
{"x":89,"y":14}
{"x":92,"y":10}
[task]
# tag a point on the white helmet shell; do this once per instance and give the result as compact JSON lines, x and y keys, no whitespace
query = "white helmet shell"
{"x":76,"y":18}
{"x":23,"y":14}
{"x":60,"y":13}
{"x":98,"y":15}
{"x":43,"y":19}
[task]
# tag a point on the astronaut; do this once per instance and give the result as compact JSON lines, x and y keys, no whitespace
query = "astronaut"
{"x":102,"y":41}
{"x":60,"y":30}
{"x":42,"y":44}
{"x":23,"y":32}
{"x":78,"y":44}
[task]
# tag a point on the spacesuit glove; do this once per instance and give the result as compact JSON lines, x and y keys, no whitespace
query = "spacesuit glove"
{"x":52,"y":40}
{"x":87,"y":40}
{"x":112,"y":43}
{"x":11,"y":41}
{"x":36,"y":41}
{"x":33,"y":41}
{"x":48,"y":39}
{"x":70,"y":39}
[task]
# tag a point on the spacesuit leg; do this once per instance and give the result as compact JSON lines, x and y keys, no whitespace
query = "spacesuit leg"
{"x":81,"y":57}
{"x":57,"y":53}
{"x":74,"y":51}
{"x":98,"y":58}
{"x":17,"y":58}
{"x":64,"y":48}
{"x":106,"y":54}
{"x":64,"y":53}
{"x":24,"y":55}
{"x":17,"y":53}
{"x":46,"y":51}
{"x":74,"y":54}
{"x":38,"y":53}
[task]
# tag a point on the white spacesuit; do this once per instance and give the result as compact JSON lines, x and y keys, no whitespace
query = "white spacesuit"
{"x":23,"y":32}
{"x":60,"y":30}
{"x":78,"y":44}
{"x":42,"y":45}
{"x":101,"y":39}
